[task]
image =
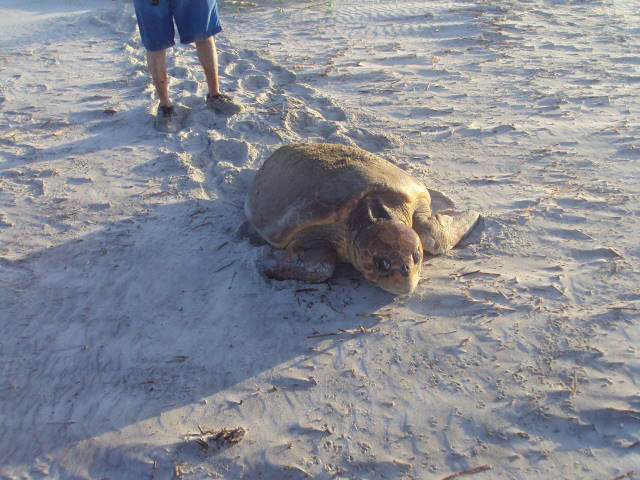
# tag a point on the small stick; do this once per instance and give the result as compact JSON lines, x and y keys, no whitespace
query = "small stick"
{"x":201,"y":225}
{"x":632,"y":413}
{"x":415,"y":320}
{"x":202,"y":432}
{"x":470,"y":471}
{"x":501,"y":307}
{"x":204,"y":445}
{"x":178,"y":359}
{"x":348,"y":332}
{"x":624,"y":410}
{"x":468,"y":273}
{"x":446,"y":333}
{"x":295,"y":467}
{"x":574,"y":384}
{"x":374,"y":315}
{"x":226,"y":266}
{"x":153,"y":470}
{"x":624,"y":475}
{"x":318,"y":335}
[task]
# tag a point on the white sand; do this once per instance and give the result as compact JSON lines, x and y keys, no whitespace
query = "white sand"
{"x":131,"y":310}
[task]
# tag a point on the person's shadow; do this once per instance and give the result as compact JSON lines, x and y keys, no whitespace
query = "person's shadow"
{"x":150,"y":314}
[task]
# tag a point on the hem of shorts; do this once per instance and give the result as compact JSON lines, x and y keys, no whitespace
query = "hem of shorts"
{"x":159,"y":49}
{"x":198,"y":38}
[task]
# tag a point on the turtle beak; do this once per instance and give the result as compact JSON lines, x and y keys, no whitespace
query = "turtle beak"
{"x":402,"y":280}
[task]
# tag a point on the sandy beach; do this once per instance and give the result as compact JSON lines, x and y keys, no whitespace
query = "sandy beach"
{"x":140,"y":340}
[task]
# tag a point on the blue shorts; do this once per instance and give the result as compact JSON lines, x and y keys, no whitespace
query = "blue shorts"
{"x":196,"y":20}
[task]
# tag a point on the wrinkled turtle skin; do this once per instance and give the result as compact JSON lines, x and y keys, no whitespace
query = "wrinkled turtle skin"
{"x":319,"y":203}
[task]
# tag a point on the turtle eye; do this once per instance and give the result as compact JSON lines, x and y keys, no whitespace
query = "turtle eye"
{"x":382,"y":264}
{"x":416,"y":256}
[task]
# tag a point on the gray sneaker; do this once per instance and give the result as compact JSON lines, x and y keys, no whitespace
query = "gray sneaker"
{"x":223,"y":104}
{"x":166,"y":120}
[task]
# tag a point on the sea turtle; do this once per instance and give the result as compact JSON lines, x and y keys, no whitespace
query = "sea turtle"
{"x":319,"y":203}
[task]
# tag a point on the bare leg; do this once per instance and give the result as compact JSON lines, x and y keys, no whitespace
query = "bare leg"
{"x":311,"y":265}
{"x":157,"y":62}
{"x":208,"y":56}
{"x":216,"y":101}
{"x":442,"y":231}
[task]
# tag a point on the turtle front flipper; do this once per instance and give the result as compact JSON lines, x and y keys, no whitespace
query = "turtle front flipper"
{"x":313,"y":265}
{"x":442,"y":231}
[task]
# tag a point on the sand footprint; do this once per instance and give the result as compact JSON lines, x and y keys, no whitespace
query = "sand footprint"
{"x":238,"y":68}
{"x":568,"y":234}
{"x":594,"y":255}
{"x":255,"y":83}
{"x":226,"y":56}
{"x":334,"y":113}
{"x":229,"y":161}
{"x":372,"y":141}
{"x":31,"y":179}
{"x":328,"y":108}
{"x":235,"y":152}
{"x":258,"y":131}
{"x":307,"y":121}
{"x":281,"y":75}
{"x":287,"y":112}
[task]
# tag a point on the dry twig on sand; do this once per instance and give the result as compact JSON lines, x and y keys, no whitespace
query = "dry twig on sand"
{"x":470,"y":471}
{"x":319,"y":335}
{"x":635,"y":414}
{"x":305,"y":290}
{"x":379,"y":315}
{"x":625,"y":308}
{"x":624,"y":475}
{"x":220,"y":438}
{"x":574,"y":384}
{"x":224,"y":266}
{"x":352,"y":332}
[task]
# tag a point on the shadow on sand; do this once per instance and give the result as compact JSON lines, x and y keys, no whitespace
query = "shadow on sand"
{"x":150,"y":314}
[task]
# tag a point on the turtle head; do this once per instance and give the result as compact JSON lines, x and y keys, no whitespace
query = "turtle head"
{"x":389,"y":254}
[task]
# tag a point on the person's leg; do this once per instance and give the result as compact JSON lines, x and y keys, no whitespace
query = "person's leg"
{"x":157,"y":62}
{"x":155,"y":23}
{"x":216,"y":101}
{"x":198,"y":22}
{"x":208,"y":56}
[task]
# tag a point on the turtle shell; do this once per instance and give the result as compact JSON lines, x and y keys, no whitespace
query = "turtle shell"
{"x":307,"y":185}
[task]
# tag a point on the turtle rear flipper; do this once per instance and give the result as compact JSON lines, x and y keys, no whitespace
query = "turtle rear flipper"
{"x":442,"y":232}
{"x":313,"y":265}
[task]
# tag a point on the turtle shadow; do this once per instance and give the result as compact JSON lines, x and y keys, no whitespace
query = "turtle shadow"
{"x":150,"y":314}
